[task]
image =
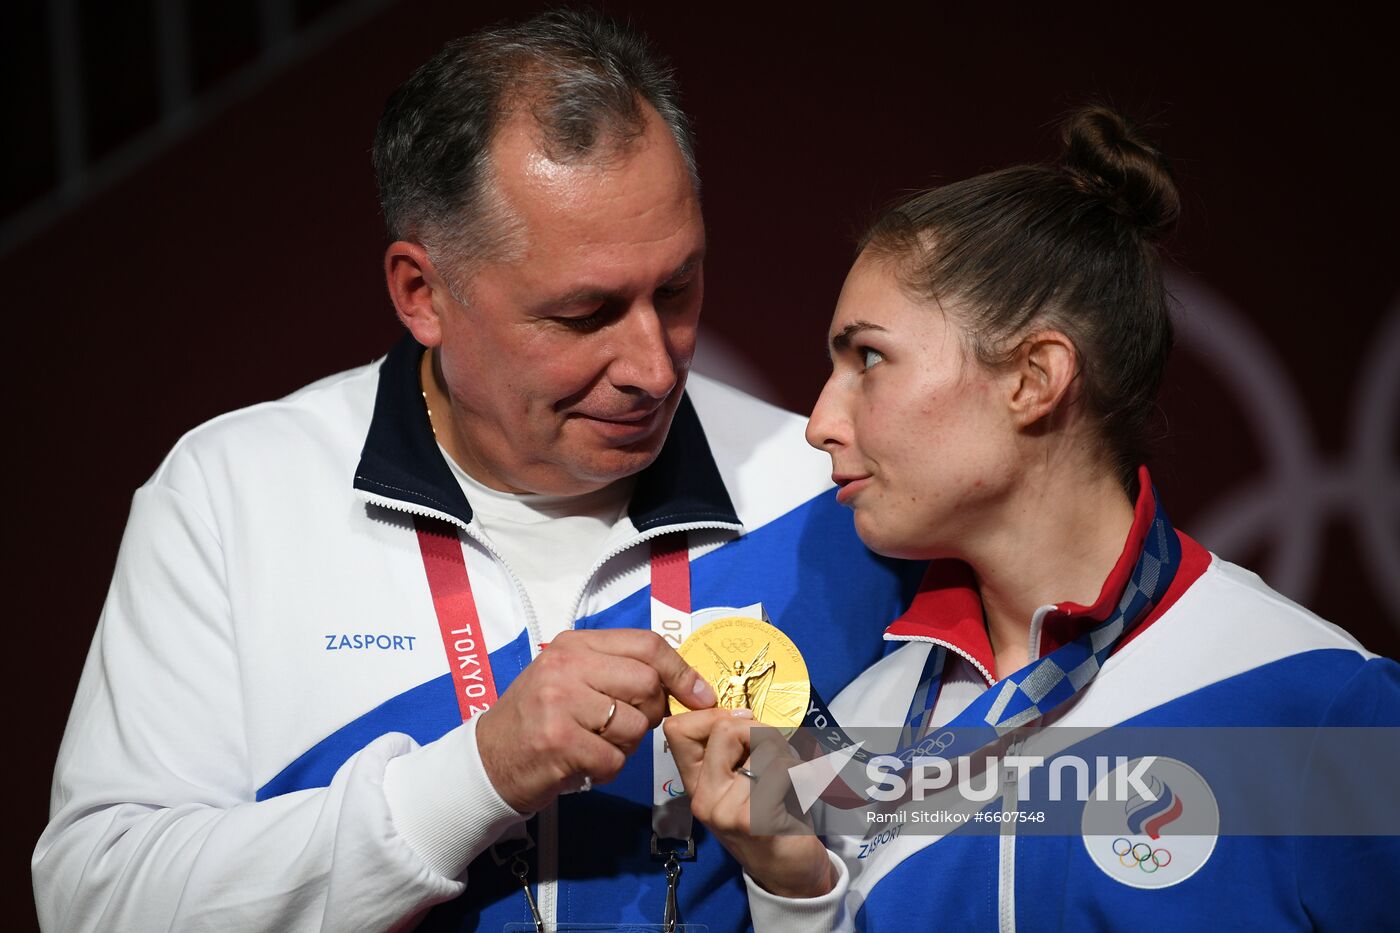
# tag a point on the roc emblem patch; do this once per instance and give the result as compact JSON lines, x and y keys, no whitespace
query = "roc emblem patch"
{"x":1154,"y":840}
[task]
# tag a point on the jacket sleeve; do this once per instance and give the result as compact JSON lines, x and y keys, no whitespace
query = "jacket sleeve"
{"x":830,"y":912}
{"x":1340,"y":878}
{"x":154,"y":822}
{"x":837,"y":910}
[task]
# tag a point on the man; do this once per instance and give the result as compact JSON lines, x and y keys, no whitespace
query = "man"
{"x":368,"y":646}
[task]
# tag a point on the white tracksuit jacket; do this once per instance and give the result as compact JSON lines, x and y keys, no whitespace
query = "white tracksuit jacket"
{"x":269,"y":644}
{"x":1218,"y":649}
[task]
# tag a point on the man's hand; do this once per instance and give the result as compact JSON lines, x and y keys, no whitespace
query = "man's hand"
{"x":709,"y":746}
{"x":547,"y":731}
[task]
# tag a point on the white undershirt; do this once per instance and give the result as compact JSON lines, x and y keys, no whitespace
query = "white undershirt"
{"x":549,"y":542}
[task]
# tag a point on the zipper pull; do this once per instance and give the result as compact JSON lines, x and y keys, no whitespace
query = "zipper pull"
{"x":1009,"y":775}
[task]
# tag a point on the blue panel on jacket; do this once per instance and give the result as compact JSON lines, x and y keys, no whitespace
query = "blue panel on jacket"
{"x":816,"y":581}
{"x":1248,"y":882}
{"x":425,"y":713}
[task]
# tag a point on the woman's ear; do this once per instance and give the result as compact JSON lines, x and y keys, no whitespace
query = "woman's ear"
{"x":416,"y":289}
{"x":1043,"y":370}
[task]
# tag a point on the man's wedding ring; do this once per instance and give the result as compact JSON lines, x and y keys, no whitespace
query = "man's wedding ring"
{"x":612,"y":711}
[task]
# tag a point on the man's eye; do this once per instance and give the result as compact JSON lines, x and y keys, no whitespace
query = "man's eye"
{"x":869,"y":358}
{"x":673,"y":290}
{"x":583,"y":324}
{"x":587,"y":323}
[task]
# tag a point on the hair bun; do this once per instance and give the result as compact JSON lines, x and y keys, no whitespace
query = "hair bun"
{"x":1107,"y":157}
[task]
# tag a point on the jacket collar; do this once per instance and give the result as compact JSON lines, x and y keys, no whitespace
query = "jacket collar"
{"x":401,"y":459}
{"x":948,"y":608}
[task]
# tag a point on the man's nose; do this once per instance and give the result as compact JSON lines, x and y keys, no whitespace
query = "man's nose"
{"x":829,"y":427}
{"x":646,"y":356}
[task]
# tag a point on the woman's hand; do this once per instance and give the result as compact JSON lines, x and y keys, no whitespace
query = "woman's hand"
{"x":709,"y":746}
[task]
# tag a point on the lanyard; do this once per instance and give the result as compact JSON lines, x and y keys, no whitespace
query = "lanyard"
{"x":670,"y":618}
{"x":472,"y":680}
{"x":474,"y":684}
{"x":1029,"y":693}
{"x":670,"y":807}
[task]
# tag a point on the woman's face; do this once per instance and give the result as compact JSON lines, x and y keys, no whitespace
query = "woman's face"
{"x":921,"y":441}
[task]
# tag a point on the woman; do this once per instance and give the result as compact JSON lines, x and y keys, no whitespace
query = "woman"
{"x":997,"y":349}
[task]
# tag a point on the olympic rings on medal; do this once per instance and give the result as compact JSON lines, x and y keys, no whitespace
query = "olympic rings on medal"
{"x":1141,"y":855}
{"x":612,"y":711}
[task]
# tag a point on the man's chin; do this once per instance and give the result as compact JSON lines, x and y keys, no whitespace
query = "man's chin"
{"x":596,"y":452}
{"x":579,"y":471}
{"x":609,"y":466}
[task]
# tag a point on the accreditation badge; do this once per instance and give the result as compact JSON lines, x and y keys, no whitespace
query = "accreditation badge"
{"x":750,"y":664}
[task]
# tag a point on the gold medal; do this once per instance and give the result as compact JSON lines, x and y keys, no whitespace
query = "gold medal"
{"x":751,"y":665}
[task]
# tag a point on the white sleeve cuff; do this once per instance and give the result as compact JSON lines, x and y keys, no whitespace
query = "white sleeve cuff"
{"x":443,"y":803}
{"x":828,"y":912}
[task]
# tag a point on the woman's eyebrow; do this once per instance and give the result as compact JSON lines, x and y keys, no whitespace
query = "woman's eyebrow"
{"x":842,"y":340}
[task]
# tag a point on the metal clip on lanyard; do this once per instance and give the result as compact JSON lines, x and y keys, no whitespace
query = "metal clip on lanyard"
{"x":521,"y":870}
{"x":513,"y":851}
{"x":672,"y":856}
{"x":671,"y":840}
{"x":673,"y":877}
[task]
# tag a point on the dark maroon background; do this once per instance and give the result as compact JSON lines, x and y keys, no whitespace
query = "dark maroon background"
{"x":243,"y":261}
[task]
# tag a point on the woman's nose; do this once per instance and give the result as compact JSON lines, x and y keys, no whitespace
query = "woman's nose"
{"x":828,"y":427}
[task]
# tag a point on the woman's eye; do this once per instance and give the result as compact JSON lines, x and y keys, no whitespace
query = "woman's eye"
{"x":869,"y":358}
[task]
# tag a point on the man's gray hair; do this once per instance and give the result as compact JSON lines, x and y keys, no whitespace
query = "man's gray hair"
{"x":580,"y":75}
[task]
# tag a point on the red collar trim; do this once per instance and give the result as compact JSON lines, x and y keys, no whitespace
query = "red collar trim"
{"x":1194,"y":561}
{"x":948,"y":608}
{"x":1067,"y":621}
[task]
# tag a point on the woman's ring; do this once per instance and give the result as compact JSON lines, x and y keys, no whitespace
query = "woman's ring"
{"x":612,"y":711}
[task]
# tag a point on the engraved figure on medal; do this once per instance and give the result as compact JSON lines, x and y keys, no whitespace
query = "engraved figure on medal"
{"x":746,"y":687}
{"x":772,"y":681}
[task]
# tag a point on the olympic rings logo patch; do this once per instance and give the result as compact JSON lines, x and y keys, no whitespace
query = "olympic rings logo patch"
{"x":1141,"y":855}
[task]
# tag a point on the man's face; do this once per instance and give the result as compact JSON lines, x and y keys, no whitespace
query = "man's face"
{"x":566,"y":361}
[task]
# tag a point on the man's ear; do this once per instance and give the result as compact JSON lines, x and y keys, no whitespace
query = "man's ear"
{"x":1043,"y":374}
{"x":416,"y":289}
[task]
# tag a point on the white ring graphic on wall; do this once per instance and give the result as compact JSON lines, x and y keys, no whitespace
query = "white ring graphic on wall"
{"x":1293,"y":501}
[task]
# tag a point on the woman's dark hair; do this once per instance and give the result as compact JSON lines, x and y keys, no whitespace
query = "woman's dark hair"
{"x":1070,"y":247}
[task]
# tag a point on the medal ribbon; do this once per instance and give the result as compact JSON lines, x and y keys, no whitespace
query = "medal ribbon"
{"x":1029,"y":693}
